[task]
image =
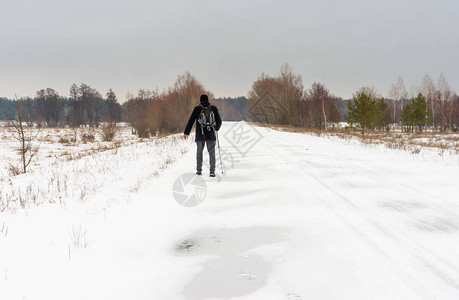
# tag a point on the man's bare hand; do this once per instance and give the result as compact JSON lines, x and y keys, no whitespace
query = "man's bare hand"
{"x":185,"y":136}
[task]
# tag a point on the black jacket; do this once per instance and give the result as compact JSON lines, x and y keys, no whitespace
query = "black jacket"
{"x":208,"y":135}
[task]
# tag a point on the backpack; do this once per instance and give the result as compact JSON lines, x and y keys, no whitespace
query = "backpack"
{"x":206,"y":118}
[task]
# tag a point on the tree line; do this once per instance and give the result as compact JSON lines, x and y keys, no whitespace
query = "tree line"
{"x":149,"y":112}
{"x":432,"y":106}
{"x":85,"y":107}
{"x":283,"y":100}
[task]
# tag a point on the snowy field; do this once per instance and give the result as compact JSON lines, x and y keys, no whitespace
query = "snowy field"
{"x":55,"y":144}
{"x":294,"y":216}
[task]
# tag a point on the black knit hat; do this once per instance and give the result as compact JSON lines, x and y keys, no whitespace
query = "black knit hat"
{"x":204,"y":98}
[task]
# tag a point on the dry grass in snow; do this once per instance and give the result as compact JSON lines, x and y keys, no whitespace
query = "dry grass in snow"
{"x":440,"y":143}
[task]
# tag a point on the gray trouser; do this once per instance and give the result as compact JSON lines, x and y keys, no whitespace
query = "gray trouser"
{"x":210,"y":149}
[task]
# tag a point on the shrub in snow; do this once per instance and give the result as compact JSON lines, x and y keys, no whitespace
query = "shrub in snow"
{"x":87,"y":137}
{"x":108,"y":132}
{"x":142,"y":129}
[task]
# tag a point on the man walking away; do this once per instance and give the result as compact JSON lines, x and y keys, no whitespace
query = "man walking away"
{"x":208,"y":121}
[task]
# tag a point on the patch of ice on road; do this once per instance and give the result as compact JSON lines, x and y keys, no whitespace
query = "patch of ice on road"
{"x":233,"y":268}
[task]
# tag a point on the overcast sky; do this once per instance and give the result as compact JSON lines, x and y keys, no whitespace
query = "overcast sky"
{"x":131,"y":44}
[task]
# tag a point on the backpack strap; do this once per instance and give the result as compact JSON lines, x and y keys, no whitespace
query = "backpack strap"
{"x":202,"y":106}
{"x":199,"y":118}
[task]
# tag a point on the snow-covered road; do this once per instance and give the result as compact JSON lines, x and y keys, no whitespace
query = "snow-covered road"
{"x":295,"y":217}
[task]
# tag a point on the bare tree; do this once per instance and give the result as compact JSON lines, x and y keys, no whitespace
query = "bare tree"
{"x":399,"y":94}
{"x":75,"y":115}
{"x":402,"y":92}
{"x":50,"y":106}
{"x":427,"y":88}
{"x":393,"y":95}
{"x":25,"y":136}
{"x":28,"y":110}
{"x":455,"y":113}
{"x":85,"y":105}
{"x":277,"y":100}
{"x":291,"y":93}
{"x":445,"y":95}
{"x":322,"y":106}
{"x":183,"y":97}
{"x":134,"y":110}
{"x":263,"y":100}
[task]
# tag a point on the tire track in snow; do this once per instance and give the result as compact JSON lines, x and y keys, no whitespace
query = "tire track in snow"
{"x":396,"y":231}
{"x":399,"y":238}
{"x":437,"y":208}
{"x":408,"y":190}
{"x":439,"y":272}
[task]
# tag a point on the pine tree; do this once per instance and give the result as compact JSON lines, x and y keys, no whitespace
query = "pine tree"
{"x":365,"y":110}
{"x":113,"y":107}
{"x":415,"y":114}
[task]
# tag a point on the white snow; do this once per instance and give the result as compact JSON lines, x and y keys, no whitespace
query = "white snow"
{"x":294,"y":217}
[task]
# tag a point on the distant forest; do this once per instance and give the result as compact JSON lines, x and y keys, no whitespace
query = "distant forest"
{"x":108,"y":108}
{"x":279,"y":100}
{"x":50,"y":109}
{"x":149,"y":112}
